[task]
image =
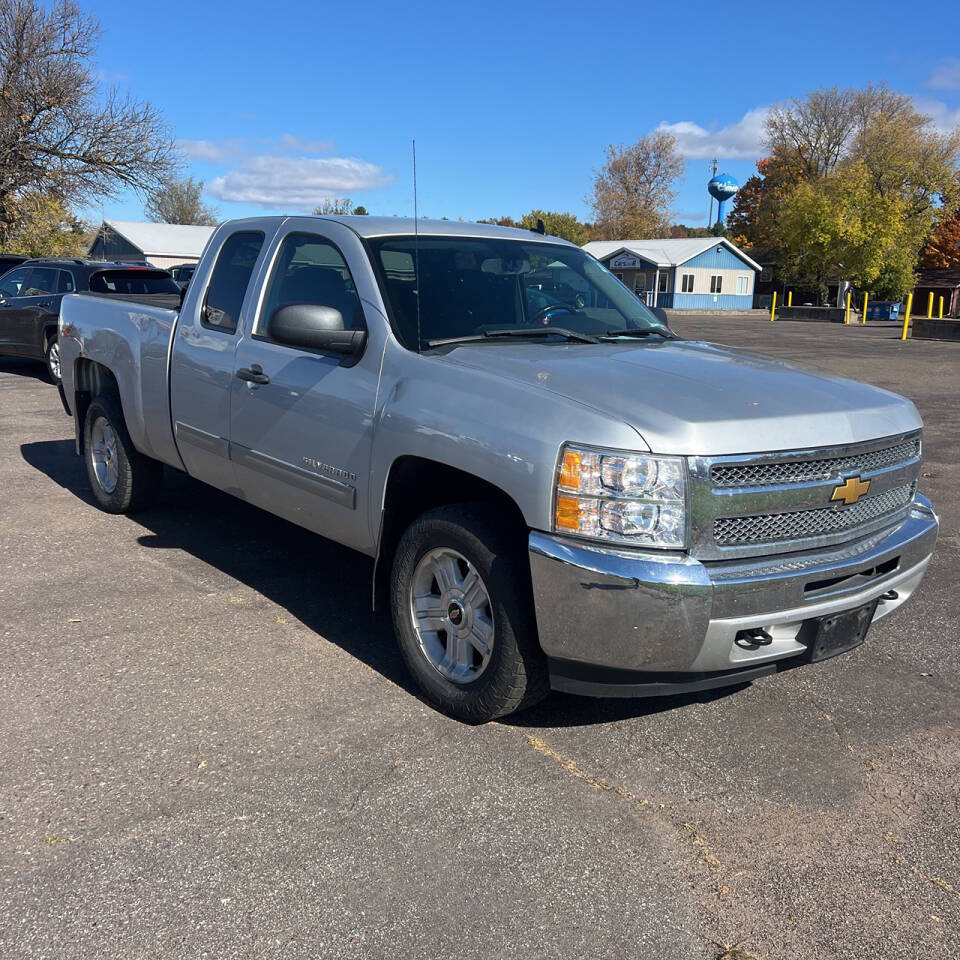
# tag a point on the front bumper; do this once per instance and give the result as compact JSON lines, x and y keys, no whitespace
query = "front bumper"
{"x":623,"y":622}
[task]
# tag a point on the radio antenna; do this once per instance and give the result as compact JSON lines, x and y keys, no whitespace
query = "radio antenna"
{"x":416,"y":243}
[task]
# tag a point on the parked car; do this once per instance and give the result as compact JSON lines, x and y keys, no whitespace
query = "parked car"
{"x":182,"y":273}
{"x":30,"y":297}
{"x":555,"y":495}
{"x":10,"y":260}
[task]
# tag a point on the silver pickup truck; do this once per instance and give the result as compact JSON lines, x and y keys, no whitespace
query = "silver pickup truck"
{"x":558,"y":491}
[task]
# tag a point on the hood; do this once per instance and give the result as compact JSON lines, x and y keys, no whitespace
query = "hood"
{"x":701,"y":399}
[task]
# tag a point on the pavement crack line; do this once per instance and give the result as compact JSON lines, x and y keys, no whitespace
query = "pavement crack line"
{"x":641,"y":804}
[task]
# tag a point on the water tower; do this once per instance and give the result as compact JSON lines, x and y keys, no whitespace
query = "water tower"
{"x":721,"y":188}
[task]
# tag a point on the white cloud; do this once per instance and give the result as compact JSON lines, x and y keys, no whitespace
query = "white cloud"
{"x":213,"y":151}
{"x":944,"y":118}
{"x":299,"y":145}
{"x":741,"y":139}
{"x":946,"y":76}
{"x":297,"y":182}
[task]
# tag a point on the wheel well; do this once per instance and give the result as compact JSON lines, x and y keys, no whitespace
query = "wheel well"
{"x":416,"y":485}
{"x":91,"y":379}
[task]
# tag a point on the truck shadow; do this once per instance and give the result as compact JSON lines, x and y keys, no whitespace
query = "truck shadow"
{"x":325,"y":586}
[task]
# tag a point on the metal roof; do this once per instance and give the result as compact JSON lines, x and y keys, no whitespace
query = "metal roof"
{"x":665,"y":253}
{"x":162,"y":239}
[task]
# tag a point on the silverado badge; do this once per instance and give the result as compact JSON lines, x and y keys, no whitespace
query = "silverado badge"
{"x":851,"y":491}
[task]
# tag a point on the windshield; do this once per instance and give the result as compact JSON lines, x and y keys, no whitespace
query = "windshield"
{"x":136,"y":280}
{"x":472,"y":287}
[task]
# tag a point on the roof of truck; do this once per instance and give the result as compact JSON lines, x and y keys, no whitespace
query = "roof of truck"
{"x":404,"y":227}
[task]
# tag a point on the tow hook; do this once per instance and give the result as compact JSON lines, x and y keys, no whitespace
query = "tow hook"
{"x":755,"y":637}
{"x":890,"y":595}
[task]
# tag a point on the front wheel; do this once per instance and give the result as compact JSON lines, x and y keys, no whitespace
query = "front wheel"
{"x":122,"y":478}
{"x":463,"y":614}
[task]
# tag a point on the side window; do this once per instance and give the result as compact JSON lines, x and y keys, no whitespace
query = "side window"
{"x":12,"y":283}
{"x":229,"y":281}
{"x":40,"y":282}
{"x":310,"y":269}
{"x":65,"y":283}
{"x":687,"y":282}
{"x":716,"y":283}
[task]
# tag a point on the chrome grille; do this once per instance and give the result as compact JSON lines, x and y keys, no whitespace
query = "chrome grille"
{"x":802,"y":524}
{"x":806,"y":471}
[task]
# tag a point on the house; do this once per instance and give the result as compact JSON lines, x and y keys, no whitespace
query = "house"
{"x":694,"y":273}
{"x":162,"y":244}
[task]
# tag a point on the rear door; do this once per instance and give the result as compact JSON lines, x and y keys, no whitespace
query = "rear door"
{"x":202,"y":365}
{"x":12,"y":308}
{"x":300,"y":440}
{"x":36,"y":308}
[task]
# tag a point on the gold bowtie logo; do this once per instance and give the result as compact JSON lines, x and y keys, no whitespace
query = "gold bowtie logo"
{"x":851,"y":491}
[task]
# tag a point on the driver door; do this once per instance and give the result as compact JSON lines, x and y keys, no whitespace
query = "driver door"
{"x":301,"y":420}
{"x":14,"y":311}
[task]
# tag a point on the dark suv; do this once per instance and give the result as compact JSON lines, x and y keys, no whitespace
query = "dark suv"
{"x":30,"y":296}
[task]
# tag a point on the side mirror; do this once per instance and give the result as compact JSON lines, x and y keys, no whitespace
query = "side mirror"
{"x":661,"y":315}
{"x":314,"y":327}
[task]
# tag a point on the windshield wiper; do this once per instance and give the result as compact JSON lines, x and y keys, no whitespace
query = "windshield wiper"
{"x":538,"y":333}
{"x":666,"y":334}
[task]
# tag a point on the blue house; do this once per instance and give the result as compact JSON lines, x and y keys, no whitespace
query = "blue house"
{"x":696,"y":273}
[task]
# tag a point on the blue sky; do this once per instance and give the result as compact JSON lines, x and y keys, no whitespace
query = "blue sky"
{"x":511,"y":104}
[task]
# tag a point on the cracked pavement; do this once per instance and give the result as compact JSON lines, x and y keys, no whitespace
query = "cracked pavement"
{"x":210,"y":748}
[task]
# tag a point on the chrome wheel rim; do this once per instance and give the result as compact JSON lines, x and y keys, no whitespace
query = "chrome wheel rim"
{"x":103,"y":454}
{"x":451,"y":615}
{"x":53,"y":359}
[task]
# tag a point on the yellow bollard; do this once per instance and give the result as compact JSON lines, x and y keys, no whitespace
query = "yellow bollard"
{"x":930,"y":306}
{"x":906,"y":319}
{"x":863,"y":316}
{"x":789,"y":298}
{"x":773,"y":306}
{"x":941,"y":308}
{"x":846,"y":318}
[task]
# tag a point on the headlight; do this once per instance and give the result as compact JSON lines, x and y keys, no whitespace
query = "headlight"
{"x":630,"y":498}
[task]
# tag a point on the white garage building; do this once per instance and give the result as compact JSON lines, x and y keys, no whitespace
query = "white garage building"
{"x":162,"y":244}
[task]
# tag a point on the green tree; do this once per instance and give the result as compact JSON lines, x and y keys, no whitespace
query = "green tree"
{"x":361,"y":211}
{"x":180,"y":201}
{"x":838,"y":225}
{"x":633,"y":191}
{"x":45,"y":227}
{"x":564,"y":225}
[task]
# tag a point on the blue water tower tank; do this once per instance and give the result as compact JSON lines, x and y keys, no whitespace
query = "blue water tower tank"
{"x":722,"y":187}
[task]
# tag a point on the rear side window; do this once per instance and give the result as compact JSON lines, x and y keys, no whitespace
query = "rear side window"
{"x":135,"y":281}
{"x":65,"y":283}
{"x":230,"y":279}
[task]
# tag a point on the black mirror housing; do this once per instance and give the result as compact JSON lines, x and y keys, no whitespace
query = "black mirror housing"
{"x":660,"y":314}
{"x":313,"y":326}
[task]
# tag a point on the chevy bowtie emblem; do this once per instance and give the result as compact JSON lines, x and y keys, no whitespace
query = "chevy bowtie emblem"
{"x":851,"y":491}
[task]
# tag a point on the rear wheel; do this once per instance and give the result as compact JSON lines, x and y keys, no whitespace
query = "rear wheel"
{"x":463,"y":614}
{"x":122,"y":478}
{"x":51,"y":356}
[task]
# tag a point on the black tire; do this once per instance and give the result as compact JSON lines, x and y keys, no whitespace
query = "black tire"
{"x":138,"y":477}
{"x":51,"y":358}
{"x":515,"y":676}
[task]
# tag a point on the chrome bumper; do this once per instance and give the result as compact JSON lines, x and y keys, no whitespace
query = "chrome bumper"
{"x":666,"y":614}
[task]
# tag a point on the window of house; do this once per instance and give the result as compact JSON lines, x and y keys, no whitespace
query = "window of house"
{"x":663,"y":283}
{"x":716,"y":283}
{"x":743,"y":286}
{"x":640,"y":283}
{"x":229,"y":281}
{"x":686,"y":282}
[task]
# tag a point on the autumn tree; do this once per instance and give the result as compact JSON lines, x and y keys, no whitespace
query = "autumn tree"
{"x":565,"y":225}
{"x":942,"y":250}
{"x":63,"y":135}
{"x":180,"y":200}
{"x":756,"y":206}
{"x":633,"y":191}
{"x":46,"y":228}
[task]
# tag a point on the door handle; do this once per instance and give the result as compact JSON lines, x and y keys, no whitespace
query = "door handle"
{"x":253,"y":374}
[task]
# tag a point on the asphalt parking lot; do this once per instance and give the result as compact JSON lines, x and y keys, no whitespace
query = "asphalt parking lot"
{"x":210,"y":749}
